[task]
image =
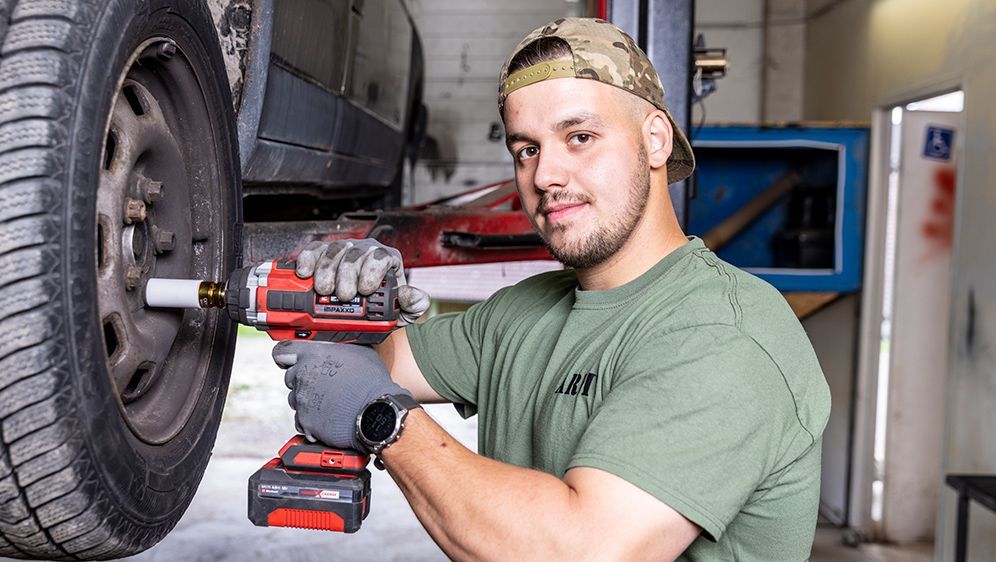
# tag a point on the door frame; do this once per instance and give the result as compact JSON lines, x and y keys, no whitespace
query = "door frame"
{"x":865,"y":407}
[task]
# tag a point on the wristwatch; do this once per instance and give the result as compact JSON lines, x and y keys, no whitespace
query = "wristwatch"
{"x":381,"y":421}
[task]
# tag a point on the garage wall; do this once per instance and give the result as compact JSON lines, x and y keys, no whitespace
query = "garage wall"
{"x":754,"y":31}
{"x":784,"y":51}
{"x":834,"y":344}
{"x":737,"y":27}
{"x":863,"y":54}
{"x":465,"y":44}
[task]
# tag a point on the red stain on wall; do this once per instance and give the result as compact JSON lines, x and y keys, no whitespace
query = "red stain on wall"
{"x":938,"y":227}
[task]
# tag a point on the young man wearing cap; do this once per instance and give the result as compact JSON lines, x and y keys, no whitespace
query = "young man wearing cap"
{"x":651,"y":402}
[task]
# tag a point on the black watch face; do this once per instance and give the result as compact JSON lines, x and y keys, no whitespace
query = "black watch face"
{"x":377,"y":423}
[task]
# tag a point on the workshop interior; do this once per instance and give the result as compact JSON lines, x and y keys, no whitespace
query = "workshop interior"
{"x":163,"y":162}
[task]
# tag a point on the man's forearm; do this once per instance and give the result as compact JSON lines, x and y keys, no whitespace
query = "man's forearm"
{"x":477,"y":508}
{"x":396,"y":353}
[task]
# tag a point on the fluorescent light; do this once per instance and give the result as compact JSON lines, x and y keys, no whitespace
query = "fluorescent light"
{"x":952,"y":102}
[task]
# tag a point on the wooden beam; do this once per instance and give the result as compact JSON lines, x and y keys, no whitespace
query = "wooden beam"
{"x":805,"y":304}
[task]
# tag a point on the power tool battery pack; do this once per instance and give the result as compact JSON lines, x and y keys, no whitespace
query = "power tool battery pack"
{"x":285,"y":497}
{"x":298,"y":454}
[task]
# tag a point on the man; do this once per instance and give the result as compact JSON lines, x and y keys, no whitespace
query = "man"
{"x":652,"y":402}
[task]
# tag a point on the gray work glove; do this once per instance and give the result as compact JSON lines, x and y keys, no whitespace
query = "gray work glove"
{"x":345,"y":267}
{"x":330,"y":384}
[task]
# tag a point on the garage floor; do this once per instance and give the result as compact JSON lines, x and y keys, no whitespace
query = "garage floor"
{"x":257,"y":421}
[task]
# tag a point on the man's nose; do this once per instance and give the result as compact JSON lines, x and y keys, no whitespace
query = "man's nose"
{"x":552,"y":170}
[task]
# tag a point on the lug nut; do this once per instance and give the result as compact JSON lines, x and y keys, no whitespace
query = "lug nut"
{"x":165,"y":240}
{"x":151,"y":190}
{"x":134,"y":210}
{"x":166,"y":50}
{"x":132,"y":277}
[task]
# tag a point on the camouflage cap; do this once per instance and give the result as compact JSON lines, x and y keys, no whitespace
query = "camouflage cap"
{"x":603,"y":52}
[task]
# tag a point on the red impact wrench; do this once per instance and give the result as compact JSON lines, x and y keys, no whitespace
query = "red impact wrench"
{"x":308,"y":485}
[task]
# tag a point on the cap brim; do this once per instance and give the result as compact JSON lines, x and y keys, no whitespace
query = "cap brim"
{"x":681,"y":163}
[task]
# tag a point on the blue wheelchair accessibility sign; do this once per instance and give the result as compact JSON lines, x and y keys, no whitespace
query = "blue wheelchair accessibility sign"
{"x":938,"y":143}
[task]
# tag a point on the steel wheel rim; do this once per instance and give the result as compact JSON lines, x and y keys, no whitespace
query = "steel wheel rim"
{"x":157,"y":216}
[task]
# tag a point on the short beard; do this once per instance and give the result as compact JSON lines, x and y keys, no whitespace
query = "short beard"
{"x":598,"y":246}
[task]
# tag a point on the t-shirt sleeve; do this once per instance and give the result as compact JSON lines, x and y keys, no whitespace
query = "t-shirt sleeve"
{"x":694,"y":419}
{"x":447,"y":350}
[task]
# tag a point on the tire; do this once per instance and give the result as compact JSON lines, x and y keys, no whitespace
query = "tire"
{"x":109,"y":411}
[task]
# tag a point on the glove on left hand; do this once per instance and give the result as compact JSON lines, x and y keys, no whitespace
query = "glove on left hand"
{"x":330,"y":385}
{"x":348,"y":267}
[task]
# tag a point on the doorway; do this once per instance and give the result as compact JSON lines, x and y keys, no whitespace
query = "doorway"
{"x":913,"y":337}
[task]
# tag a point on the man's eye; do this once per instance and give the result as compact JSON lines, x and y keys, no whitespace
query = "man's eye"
{"x":581,"y":138}
{"x":527,"y":152}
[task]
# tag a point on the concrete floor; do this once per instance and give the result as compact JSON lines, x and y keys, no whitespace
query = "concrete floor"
{"x":828,"y":548}
{"x":256,"y":423}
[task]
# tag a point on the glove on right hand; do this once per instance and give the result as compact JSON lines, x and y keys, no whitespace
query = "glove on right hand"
{"x":330,"y":384}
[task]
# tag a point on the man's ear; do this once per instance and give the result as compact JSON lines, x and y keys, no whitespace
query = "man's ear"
{"x":657,"y":136}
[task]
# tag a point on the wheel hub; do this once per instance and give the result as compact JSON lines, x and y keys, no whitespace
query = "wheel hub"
{"x":157,"y":216}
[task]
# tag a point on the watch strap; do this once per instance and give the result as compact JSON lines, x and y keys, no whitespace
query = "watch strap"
{"x":405,"y":401}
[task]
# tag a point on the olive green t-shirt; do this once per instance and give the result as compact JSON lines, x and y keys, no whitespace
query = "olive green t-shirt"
{"x":694,"y":382}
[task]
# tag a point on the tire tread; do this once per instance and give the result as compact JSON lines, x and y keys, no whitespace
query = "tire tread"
{"x":34,"y":74}
{"x":67,"y":9}
{"x":38,"y":33}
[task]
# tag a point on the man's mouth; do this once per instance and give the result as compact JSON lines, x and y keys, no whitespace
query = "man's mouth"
{"x":560,"y":211}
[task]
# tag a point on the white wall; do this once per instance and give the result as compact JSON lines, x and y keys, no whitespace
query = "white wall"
{"x":466,"y":42}
{"x":737,"y":27}
{"x":784,"y":73}
{"x":740,"y":28}
{"x":835,"y":344}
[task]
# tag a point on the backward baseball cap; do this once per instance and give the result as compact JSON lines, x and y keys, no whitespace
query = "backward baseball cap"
{"x":603,"y":52}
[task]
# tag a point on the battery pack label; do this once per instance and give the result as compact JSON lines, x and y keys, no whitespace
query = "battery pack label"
{"x":303,"y":492}
{"x":329,"y":305}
